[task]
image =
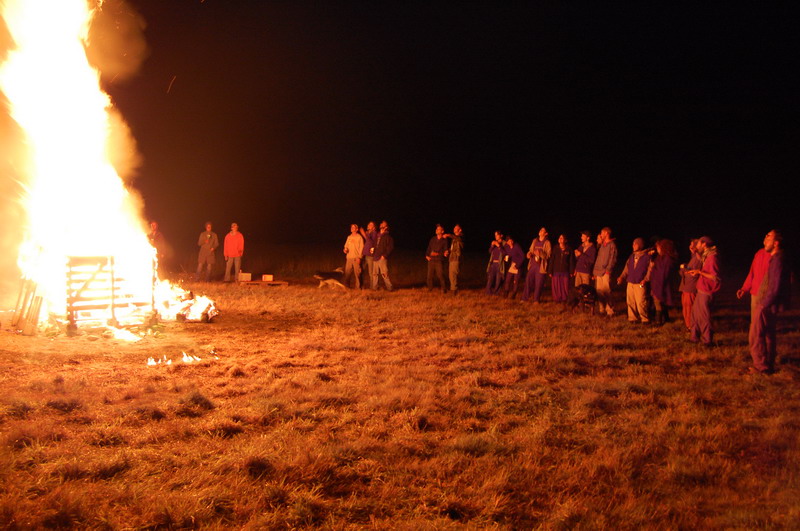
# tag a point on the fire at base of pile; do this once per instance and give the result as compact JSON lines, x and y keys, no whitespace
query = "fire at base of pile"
{"x":97,"y":296}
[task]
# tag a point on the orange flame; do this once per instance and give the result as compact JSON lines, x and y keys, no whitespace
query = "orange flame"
{"x":76,"y":203}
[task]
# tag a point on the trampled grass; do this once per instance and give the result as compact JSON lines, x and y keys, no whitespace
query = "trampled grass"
{"x":398,"y":410}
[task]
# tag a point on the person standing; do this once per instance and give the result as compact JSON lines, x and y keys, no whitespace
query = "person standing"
{"x":233,"y":249}
{"x":435,"y":254}
{"x":708,"y":283}
{"x":384,"y":246}
{"x":367,"y":260}
{"x":208,"y":243}
{"x":603,"y":267}
{"x":636,"y":269}
{"x":758,"y":268}
{"x":456,"y":249}
{"x":495,"y":269}
{"x":585,"y":256}
{"x":353,"y":251}
{"x":156,"y":239}
{"x":562,"y":266}
{"x":514,"y":258}
{"x":538,"y":258}
{"x":660,"y":279}
{"x":688,"y":285}
{"x":773,"y":296}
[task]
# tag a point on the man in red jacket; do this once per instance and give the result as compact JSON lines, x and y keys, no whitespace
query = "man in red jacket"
{"x":233,"y":250}
{"x":772,"y":295}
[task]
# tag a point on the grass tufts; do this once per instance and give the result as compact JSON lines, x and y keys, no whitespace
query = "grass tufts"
{"x":307,"y":509}
{"x":65,"y":510}
{"x":195,"y":405}
{"x":473,"y":444}
{"x":258,"y":467}
{"x":65,"y":406}
{"x":226,"y":430}
{"x":33,"y":435}
{"x":20,"y":410}
{"x":105,"y":471}
{"x":150,"y":413}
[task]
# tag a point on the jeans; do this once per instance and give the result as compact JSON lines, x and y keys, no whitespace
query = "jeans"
{"x":236,"y":263}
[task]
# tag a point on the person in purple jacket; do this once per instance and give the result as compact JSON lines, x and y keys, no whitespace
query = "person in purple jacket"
{"x":560,"y":268}
{"x":494,"y":271}
{"x":773,"y":296}
{"x":635,"y":272}
{"x":585,"y":256}
{"x":708,"y":283}
{"x":514,"y":258}
{"x":660,"y":279}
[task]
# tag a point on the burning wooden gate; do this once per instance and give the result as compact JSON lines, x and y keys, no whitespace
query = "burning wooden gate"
{"x":96,"y":295}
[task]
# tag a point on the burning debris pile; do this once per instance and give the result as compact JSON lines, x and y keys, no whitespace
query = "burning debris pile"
{"x":86,"y":259}
{"x":96,"y":297}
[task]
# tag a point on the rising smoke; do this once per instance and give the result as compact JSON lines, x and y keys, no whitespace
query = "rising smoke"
{"x":117,"y":49}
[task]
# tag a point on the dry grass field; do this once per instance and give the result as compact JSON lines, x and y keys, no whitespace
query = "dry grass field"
{"x":322,"y":408}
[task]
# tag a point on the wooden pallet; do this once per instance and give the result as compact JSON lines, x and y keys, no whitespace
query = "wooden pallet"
{"x":265,"y":283}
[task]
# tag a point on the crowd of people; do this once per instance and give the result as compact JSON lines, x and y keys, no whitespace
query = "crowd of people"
{"x":367,"y":251}
{"x":647,"y":274}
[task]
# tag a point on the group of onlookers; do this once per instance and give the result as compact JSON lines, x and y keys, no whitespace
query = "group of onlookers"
{"x":233,"y":250}
{"x":648,"y":273}
{"x":368,"y":252}
{"x":586,"y":264}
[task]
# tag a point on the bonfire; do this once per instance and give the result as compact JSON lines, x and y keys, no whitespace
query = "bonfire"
{"x":86,"y":259}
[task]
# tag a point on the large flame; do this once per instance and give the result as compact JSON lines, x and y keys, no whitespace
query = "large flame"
{"x":76,"y":203}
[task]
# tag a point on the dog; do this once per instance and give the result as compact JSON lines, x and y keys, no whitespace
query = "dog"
{"x":582,"y":298}
{"x":330,"y":279}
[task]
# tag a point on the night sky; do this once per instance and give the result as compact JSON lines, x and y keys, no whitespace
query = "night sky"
{"x":298,"y":118}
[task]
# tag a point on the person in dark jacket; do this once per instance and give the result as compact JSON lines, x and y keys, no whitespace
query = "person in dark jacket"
{"x":383,"y":248}
{"x":514,"y":258}
{"x":494,"y":271}
{"x":773,"y":296}
{"x":661,"y":271}
{"x":560,"y":268}
{"x":208,"y":243}
{"x":585,"y":256}
{"x":435,"y":255}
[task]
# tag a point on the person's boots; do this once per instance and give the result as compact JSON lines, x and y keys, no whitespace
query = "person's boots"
{"x":659,"y":320}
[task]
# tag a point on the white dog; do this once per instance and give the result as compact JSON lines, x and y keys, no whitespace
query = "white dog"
{"x":331,"y":279}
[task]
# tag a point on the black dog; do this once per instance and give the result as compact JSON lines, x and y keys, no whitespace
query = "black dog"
{"x":583,"y":297}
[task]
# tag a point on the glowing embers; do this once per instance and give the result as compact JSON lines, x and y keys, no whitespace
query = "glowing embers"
{"x":98,"y":295}
{"x":175,"y":303}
